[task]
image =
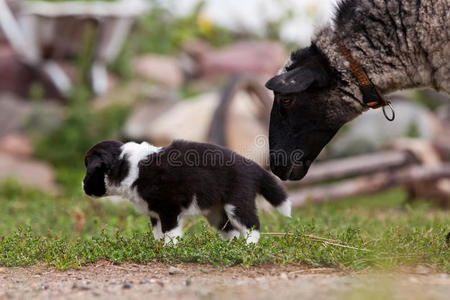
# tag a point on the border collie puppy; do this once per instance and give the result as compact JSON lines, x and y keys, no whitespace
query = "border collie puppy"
{"x":182,"y":180}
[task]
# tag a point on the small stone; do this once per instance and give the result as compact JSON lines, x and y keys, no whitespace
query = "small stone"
{"x":83,"y":287}
{"x":173,"y":271}
{"x":203,"y":293}
{"x":127,"y":285}
{"x":422,"y":270}
{"x":188,"y":282}
{"x":148,"y":280}
{"x":160,"y":283}
{"x":413,"y":279}
{"x":283,"y":276}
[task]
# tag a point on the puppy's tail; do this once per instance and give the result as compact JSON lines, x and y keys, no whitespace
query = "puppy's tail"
{"x":272,"y":189}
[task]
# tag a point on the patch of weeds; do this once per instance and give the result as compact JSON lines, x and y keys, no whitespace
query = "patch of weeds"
{"x":67,"y":232}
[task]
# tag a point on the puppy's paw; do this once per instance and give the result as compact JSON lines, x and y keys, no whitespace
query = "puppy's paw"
{"x":170,"y":240}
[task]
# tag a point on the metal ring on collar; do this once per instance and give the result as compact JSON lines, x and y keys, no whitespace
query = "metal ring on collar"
{"x":392,"y":116}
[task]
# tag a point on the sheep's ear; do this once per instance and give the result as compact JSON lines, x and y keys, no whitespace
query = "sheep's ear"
{"x":298,"y":80}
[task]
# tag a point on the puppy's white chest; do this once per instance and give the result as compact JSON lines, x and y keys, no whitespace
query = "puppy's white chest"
{"x":134,"y":153}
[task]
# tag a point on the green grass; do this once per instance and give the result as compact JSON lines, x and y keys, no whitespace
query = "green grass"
{"x":69,"y":231}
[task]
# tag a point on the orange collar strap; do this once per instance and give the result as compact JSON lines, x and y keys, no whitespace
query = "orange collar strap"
{"x":372,"y":96}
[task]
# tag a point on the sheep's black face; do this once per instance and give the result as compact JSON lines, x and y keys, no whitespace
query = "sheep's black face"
{"x":99,"y":161}
{"x":307,"y":112}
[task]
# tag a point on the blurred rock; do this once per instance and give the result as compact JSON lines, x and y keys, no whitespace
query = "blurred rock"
{"x":371,"y":131}
{"x":158,"y":68}
{"x":245,"y":133}
{"x":444,"y":112}
{"x":188,"y":120}
{"x":27,"y":172}
{"x":145,"y":111}
{"x":13,"y":114}
{"x":16,"y":144}
{"x":442,"y":140}
{"x":173,"y":270}
{"x":191,"y":119}
{"x":262,"y":58}
{"x":433,"y":97}
{"x":18,"y":115}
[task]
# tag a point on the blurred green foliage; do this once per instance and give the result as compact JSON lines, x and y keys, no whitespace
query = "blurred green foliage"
{"x":162,"y":32}
{"x":423,"y":99}
{"x":82,"y":127}
{"x":72,"y":0}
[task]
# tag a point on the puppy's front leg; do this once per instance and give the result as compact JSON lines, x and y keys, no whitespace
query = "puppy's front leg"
{"x":172,"y":229}
{"x":157,"y":230}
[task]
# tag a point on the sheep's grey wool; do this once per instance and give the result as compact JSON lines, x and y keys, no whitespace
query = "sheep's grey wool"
{"x":400,"y":43}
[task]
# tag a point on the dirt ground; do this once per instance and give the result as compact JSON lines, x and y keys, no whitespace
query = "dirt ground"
{"x":192,"y":281}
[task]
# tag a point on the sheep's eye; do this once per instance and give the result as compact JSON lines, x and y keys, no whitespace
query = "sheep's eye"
{"x":286,"y":101}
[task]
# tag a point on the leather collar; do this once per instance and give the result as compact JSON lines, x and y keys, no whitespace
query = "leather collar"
{"x":372,"y":97}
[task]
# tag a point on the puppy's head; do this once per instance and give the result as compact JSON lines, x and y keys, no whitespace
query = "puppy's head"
{"x":100,"y":161}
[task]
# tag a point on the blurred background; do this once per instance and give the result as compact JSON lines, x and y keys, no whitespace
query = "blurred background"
{"x":73,"y":73}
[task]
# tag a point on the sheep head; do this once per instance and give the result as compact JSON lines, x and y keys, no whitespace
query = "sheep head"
{"x":311,"y":104}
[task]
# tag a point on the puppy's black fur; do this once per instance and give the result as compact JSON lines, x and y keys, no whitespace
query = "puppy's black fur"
{"x":184,"y":178}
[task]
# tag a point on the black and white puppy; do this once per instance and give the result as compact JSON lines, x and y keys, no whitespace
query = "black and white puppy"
{"x":182,"y":180}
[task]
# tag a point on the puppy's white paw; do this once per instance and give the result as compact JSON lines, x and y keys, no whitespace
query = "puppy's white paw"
{"x":173,"y":235}
{"x":157,"y":231}
{"x":229,"y":235}
{"x":253,"y":237}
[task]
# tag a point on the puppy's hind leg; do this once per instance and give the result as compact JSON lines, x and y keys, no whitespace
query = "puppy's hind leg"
{"x":245,"y":220}
{"x":218,"y":219}
{"x":227,"y":230}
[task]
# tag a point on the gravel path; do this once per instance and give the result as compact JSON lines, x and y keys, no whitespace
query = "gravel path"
{"x":192,"y":281}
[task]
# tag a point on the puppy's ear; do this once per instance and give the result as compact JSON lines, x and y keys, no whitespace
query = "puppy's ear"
{"x":99,"y":162}
{"x":94,"y":181}
{"x":120,"y":169}
{"x":298,"y":80}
